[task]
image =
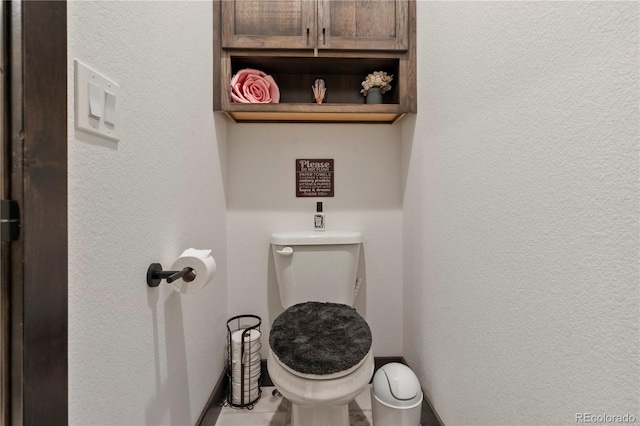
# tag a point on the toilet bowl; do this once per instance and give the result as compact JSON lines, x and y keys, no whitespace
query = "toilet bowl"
{"x":320,"y":355}
{"x":316,"y":399}
{"x":320,"y":359}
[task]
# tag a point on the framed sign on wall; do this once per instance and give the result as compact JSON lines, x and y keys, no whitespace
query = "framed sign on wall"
{"x":314,"y":177}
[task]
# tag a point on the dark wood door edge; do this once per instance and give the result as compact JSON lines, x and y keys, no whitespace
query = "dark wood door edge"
{"x":38,"y":275}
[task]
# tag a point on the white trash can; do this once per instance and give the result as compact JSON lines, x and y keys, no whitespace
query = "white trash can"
{"x":396,"y":396}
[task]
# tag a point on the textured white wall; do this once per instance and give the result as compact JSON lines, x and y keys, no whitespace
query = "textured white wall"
{"x":518,"y":199}
{"x":261,"y":200}
{"x":521,"y":211}
{"x":140,"y":355}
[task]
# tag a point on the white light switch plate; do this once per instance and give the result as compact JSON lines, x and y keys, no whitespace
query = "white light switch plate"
{"x":84,"y":120}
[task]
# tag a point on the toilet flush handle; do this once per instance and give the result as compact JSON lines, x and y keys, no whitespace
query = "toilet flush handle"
{"x":287,"y":251}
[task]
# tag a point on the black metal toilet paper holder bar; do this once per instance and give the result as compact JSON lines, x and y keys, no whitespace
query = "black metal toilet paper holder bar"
{"x":155,"y":274}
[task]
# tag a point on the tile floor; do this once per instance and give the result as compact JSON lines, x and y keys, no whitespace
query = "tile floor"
{"x":276,"y":411}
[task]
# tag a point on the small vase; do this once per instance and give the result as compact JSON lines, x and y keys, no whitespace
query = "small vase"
{"x":374,"y":96}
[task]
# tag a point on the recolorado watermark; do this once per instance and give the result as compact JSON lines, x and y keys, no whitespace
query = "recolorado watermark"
{"x":590,"y":418}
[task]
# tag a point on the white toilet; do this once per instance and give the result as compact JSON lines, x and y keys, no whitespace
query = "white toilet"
{"x":320,"y":355}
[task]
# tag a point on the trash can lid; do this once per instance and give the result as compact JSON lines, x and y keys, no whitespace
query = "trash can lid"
{"x":395,"y":385}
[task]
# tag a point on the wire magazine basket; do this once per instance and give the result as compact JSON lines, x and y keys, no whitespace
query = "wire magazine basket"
{"x":243,"y":360}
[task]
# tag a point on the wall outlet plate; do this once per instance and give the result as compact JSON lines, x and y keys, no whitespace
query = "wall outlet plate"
{"x":97,"y":102}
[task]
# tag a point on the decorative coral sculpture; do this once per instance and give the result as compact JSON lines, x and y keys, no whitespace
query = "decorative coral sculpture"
{"x":319,"y":90}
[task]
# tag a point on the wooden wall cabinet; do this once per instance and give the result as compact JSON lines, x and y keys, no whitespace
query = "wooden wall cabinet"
{"x":320,"y":24}
{"x":298,"y":41}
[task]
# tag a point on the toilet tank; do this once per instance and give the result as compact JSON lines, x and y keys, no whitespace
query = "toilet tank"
{"x":316,"y":266}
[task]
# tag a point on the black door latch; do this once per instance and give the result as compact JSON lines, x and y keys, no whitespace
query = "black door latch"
{"x":9,"y":220}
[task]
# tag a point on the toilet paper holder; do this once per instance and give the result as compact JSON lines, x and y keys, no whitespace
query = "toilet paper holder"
{"x":155,"y":274}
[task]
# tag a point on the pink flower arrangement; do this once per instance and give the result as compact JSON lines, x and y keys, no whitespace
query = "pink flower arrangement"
{"x":254,"y":86}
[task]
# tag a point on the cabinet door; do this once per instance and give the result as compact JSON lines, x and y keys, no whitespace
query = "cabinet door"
{"x":269,"y":24}
{"x":364,"y":24}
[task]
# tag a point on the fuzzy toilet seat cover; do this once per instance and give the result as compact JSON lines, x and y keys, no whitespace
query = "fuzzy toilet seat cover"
{"x":320,"y":338}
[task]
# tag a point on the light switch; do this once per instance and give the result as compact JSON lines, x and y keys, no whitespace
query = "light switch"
{"x":95,"y":104}
{"x":96,"y":110}
{"x":110,"y":108}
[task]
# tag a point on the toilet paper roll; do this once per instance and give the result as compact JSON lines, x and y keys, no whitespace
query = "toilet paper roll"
{"x":251,"y":342}
{"x":249,"y":359}
{"x":203,"y":265}
{"x":249,"y":394}
{"x":251,"y":374}
{"x":249,"y":369}
{"x":249,"y":336}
